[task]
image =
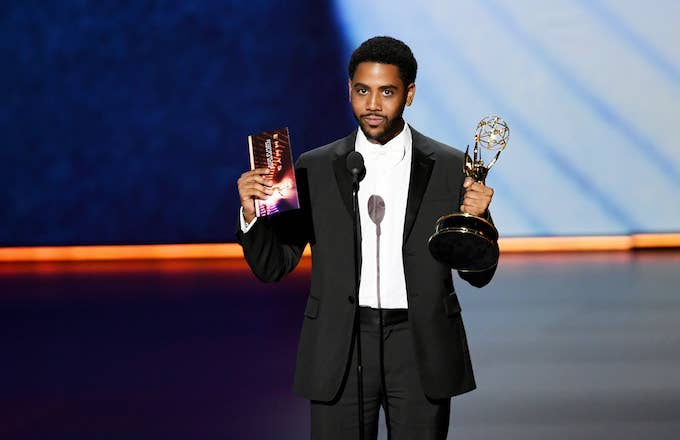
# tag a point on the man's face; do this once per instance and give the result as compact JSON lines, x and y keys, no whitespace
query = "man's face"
{"x":378,"y":98}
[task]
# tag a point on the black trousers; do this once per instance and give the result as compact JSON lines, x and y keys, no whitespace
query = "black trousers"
{"x":392,"y":384}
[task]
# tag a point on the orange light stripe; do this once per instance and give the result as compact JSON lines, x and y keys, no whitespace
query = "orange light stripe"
{"x":232,"y":250}
{"x":565,"y":244}
{"x":655,"y":240}
{"x":121,"y":252}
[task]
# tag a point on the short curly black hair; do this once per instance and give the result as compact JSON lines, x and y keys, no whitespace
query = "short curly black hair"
{"x":386,"y":50}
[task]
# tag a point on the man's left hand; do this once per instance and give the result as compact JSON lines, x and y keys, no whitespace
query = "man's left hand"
{"x":477,"y":197}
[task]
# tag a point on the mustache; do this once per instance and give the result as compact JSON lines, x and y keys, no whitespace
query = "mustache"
{"x":373,"y":115}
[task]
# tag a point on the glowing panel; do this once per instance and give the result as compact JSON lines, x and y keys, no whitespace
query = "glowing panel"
{"x":590,"y":90}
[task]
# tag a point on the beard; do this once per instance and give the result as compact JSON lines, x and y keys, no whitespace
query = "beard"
{"x":386,"y":131}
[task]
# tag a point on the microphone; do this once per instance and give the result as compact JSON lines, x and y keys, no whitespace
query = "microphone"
{"x":355,"y":165}
{"x":376,"y":210}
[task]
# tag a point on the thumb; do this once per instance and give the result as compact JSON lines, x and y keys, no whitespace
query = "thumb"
{"x":468,"y":181}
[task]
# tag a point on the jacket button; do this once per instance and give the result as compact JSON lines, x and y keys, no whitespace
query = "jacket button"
{"x":350,"y":299}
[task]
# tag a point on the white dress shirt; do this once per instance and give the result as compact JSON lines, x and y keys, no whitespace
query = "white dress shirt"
{"x":245,"y":227}
{"x":388,"y":171}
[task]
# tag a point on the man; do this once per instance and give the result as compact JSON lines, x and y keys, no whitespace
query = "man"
{"x":416,"y":357}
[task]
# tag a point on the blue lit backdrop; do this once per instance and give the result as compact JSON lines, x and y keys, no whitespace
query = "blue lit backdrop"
{"x":590,"y":90}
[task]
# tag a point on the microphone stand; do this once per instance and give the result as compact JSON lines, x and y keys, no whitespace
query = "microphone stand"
{"x":376,"y":211}
{"x":357,"y":309}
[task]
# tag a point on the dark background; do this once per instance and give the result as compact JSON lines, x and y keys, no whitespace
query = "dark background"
{"x":127,"y":122}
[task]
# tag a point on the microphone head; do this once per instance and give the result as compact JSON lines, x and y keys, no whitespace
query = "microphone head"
{"x":355,"y":165}
{"x":376,"y":208}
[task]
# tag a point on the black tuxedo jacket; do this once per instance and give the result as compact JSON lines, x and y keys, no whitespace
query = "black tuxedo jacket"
{"x":274,"y":245}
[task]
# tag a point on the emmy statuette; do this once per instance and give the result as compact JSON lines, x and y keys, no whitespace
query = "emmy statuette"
{"x":466,"y":242}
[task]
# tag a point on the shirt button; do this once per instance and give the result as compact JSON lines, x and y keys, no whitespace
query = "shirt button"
{"x":350,"y":299}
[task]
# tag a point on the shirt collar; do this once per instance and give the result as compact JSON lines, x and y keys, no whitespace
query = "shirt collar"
{"x":389,"y":154}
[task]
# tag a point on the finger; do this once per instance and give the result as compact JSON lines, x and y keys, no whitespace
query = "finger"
{"x":473,"y":210}
{"x":478,"y":194}
{"x":264,"y":172}
{"x":477,"y":197}
{"x":263,"y":180}
{"x":477,"y":203}
{"x":478,"y":186}
{"x":483,"y":191}
{"x":244,"y":187}
{"x":254,"y":194}
{"x":468,"y":181}
{"x":253,"y":186}
{"x":249,"y":178}
{"x":249,"y":173}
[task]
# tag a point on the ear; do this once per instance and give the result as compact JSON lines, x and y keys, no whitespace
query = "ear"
{"x":349,"y":90}
{"x":410,"y":93}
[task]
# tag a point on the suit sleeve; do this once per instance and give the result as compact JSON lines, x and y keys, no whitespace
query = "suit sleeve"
{"x":274,"y":245}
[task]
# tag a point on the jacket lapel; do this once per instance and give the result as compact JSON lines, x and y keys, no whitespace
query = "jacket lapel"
{"x":342,"y":176}
{"x":421,"y":169}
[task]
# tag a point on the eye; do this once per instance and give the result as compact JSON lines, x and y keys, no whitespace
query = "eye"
{"x":361,"y":90}
{"x":388,"y":92}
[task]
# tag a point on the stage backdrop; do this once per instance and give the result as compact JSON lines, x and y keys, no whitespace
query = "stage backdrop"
{"x":128,"y":123}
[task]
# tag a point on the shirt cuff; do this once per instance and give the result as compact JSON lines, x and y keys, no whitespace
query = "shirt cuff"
{"x":245,"y":227}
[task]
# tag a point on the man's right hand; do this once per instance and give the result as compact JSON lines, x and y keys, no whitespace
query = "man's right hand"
{"x":253,"y":185}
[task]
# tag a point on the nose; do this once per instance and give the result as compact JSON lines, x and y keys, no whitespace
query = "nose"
{"x":373,"y":103}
